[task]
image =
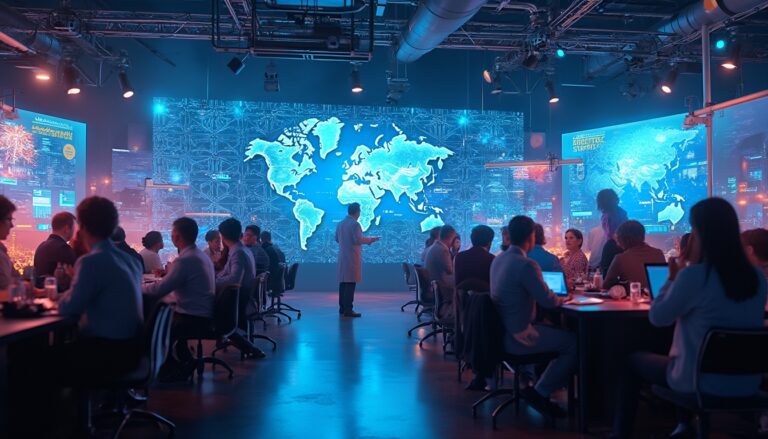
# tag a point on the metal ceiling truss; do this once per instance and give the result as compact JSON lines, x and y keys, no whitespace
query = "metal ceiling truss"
{"x":584,"y":27}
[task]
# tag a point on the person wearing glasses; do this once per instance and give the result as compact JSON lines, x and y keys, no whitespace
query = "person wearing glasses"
{"x":7,"y":272}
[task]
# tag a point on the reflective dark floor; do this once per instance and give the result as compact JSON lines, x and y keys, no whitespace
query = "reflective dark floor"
{"x":339,"y":378}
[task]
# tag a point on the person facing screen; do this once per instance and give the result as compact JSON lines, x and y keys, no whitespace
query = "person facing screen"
{"x":7,"y":273}
{"x":546,"y":260}
{"x":153,"y":243}
{"x":629,"y":266}
{"x":755,"y":243}
{"x":612,"y":217}
{"x":106,"y":296}
{"x":719,"y":289}
{"x":473,"y":266}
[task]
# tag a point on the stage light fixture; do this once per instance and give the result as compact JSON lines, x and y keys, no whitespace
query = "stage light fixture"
{"x":236,"y":65}
{"x":271,"y":81}
{"x":357,"y":85}
{"x":497,"y":86}
{"x":720,"y":44}
{"x":42,"y":75}
{"x":125,"y":86}
{"x":71,"y":79}
{"x":733,"y":59}
{"x":560,"y":53}
{"x":488,"y":76}
{"x":669,"y":82}
{"x":533,"y":59}
{"x":553,"y":98}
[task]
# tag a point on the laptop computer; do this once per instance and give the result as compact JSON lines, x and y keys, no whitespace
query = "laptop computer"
{"x":555,"y":280}
{"x":657,"y":276}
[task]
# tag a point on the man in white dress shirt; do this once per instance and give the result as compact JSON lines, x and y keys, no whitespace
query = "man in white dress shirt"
{"x":192,"y":280}
{"x":350,"y":237}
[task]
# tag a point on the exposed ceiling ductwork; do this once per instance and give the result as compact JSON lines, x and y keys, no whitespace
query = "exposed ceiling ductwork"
{"x":22,"y":35}
{"x":693,"y":17}
{"x":433,"y":21}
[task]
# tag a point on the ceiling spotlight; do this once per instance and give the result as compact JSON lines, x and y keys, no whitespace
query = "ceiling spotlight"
{"x":488,"y":76}
{"x":71,"y":79}
{"x":553,"y":98}
{"x":42,"y":75}
{"x":271,"y":81}
{"x":734,"y":57}
{"x":720,"y":44}
{"x":357,"y":85}
{"x":532,"y":60}
{"x":125,"y":86}
{"x":560,"y":53}
{"x":497,"y":87}
{"x":236,"y":64}
{"x":668,"y":82}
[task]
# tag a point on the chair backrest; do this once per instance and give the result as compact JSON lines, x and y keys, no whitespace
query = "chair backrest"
{"x":422,"y":284}
{"x":734,"y":352}
{"x":277,"y":280}
{"x":407,"y":273}
{"x":158,"y":334}
{"x":226,"y":310}
{"x":290,"y":277}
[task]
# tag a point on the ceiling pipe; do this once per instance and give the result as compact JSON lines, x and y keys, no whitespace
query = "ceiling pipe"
{"x":21,"y":34}
{"x":433,"y":22}
{"x":693,"y":17}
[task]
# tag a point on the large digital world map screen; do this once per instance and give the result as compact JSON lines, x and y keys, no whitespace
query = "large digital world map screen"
{"x":293,"y":168}
{"x":657,"y":167}
{"x":42,"y":169}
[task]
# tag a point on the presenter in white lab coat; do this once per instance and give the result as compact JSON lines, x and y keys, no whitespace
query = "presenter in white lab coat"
{"x":350,"y":237}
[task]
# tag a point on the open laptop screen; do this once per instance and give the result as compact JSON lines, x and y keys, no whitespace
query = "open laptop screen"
{"x":657,"y":277}
{"x":555,"y":280}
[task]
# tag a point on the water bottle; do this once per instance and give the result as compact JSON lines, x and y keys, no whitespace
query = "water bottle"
{"x":597,"y":280}
{"x":51,"y":289}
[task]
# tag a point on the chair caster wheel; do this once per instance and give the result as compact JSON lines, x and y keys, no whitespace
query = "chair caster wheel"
{"x":298,"y":316}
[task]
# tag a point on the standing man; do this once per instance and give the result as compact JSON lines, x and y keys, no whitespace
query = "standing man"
{"x":350,"y":237}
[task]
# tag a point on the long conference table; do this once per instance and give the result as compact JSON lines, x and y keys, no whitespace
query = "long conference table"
{"x":20,"y":330}
{"x":585,"y":316}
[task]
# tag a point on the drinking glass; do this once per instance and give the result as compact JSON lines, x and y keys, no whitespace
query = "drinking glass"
{"x":51,"y":287}
{"x":635,"y":292}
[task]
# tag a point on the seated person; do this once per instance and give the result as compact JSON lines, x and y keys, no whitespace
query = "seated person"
{"x":719,"y":289}
{"x":118,"y":237}
{"x":251,"y":238}
{"x":439,"y":264}
{"x":239,"y":269}
{"x":504,"y":241}
{"x":106,"y":295}
{"x":276,"y":257}
{"x":153,"y":243}
{"x":434,"y":234}
{"x":213,"y":251}
{"x":55,"y":250}
{"x":755,"y":243}
{"x":191,"y":278}
{"x":546,"y":260}
{"x":473,"y":266}
{"x":574,"y":262}
{"x":629,"y":266}
{"x":516,"y":287}
{"x":7,"y":272}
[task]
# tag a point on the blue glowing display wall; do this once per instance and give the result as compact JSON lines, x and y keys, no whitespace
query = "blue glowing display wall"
{"x":292,"y":168}
{"x":657,"y":167}
{"x":42,"y":169}
{"x":740,"y":150}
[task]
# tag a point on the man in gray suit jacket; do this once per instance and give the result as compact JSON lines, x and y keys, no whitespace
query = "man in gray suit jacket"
{"x":350,"y":237}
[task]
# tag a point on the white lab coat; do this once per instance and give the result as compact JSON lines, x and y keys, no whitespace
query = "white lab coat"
{"x":349,"y":235}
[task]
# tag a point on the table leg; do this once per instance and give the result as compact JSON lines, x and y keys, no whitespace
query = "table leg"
{"x":4,"y":391}
{"x":583,"y":371}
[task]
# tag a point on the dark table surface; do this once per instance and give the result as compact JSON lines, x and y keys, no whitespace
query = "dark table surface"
{"x":609,"y":306}
{"x":14,"y":329}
